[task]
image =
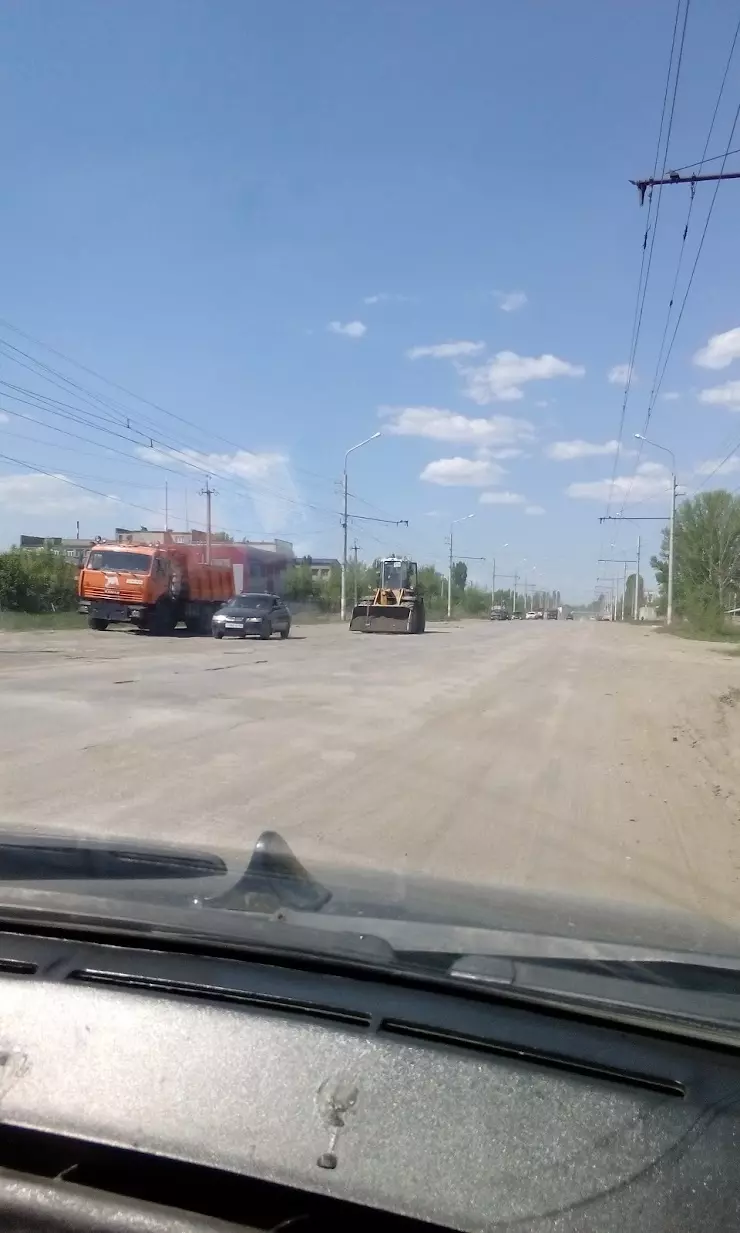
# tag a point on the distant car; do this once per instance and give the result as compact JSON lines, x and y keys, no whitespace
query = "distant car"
{"x":518,"y":616}
{"x":569,"y":616}
{"x":532,"y":616}
{"x":257,"y":614}
{"x":552,"y":614}
{"x":500,"y":614}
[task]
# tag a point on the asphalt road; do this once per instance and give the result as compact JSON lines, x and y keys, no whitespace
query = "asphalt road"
{"x":584,"y":758}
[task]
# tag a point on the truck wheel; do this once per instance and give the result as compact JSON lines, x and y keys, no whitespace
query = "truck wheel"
{"x":266,"y":630}
{"x":285,"y":633}
{"x":162,"y":620}
{"x":97,"y":623}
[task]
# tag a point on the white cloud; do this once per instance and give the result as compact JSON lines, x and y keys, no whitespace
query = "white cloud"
{"x":501,"y":379}
{"x":437,"y":424}
{"x":727,"y":395}
{"x":267,"y":477}
{"x":534,"y":510}
{"x":720,"y":351}
{"x":4,"y":418}
{"x":46,"y":494}
{"x":352,"y":329}
{"x":651,"y":482}
{"x":501,"y":498}
{"x":446,"y":351}
{"x":716,"y":466}
{"x":510,"y":301}
{"x":387,"y":297}
{"x":619,"y":374}
{"x":670,"y":395}
{"x":463,"y":472}
{"x":567,"y":451}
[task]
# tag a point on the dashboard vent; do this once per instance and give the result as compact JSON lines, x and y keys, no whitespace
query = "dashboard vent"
{"x":592,"y":1070}
{"x":218,"y":993}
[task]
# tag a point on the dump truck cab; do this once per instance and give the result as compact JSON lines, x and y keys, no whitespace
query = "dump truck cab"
{"x":397,"y":607}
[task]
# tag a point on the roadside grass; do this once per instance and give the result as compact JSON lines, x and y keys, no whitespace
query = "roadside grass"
{"x":40,"y":622}
{"x":727,"y":635}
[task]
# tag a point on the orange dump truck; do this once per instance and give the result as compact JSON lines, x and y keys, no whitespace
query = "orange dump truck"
{"x":152,"y":586}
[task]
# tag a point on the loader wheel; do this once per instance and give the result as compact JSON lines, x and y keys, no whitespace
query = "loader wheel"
{"x":98,"y":623}
{"x":422,"y":624}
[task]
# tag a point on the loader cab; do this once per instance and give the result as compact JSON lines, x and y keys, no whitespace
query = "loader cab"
{"x":397,"y":574}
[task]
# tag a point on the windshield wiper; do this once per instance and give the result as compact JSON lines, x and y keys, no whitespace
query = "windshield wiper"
{"x":29,"y":858}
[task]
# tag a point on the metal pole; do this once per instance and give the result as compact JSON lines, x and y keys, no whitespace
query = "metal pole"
{"x":355,"y":547}
{"x":624,"y":591}
{"x":636,"y":597}
{"x":449,"y":581}
{"x":669,"y":602}
{"x":493,"y":584}
{"x":343,"y":596}
{"x":166,"y":507}
{"x":516,"y":579}
{"x":208,"y":492}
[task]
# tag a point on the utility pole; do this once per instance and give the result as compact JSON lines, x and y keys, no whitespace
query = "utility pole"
{"x":208,"y":492}
{"x":671,"y":532}
{"x":493,"y":583}
{"x":355,"y":548}
{"x":625,"y":561}
{"x":166,"y":507}
{"x":516,"y":579}
{"x":636,"y":596}
{"x":673,"y":177}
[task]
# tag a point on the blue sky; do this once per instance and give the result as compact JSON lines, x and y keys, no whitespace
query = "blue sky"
{"x":270,"y":219}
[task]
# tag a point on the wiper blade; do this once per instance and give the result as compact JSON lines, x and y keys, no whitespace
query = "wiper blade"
{"x":30,"y":858}
{"x":651,"y":990}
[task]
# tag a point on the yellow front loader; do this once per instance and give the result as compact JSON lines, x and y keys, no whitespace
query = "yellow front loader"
{"x":396,"y":607}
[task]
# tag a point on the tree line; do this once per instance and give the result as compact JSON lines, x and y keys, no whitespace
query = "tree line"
{"x":37,"y":580}
{"x":706,"y":555}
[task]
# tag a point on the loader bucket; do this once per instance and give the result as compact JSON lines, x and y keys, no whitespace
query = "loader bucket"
{"x":382,"y":619}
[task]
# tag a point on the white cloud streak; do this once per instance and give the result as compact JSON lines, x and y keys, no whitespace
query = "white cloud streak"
{"x":47,"y":494}
{"x":352,"y":329}
{"x":446,"y":350}
{"x":717,"y":466}
{"x":720,"y":351}
{"x":534,"y":511}
{"x":651,"y":482}
{"x":438,"y":424}
{"x":462,"y":472}
{"x":727,"y":395}
{"x":510,"y":301}
{"x":501,"y":379}
{"x":568,"y":451}
{"x":266,"y":476}
{"x":502,"y":498}
{"x":619,"y":374}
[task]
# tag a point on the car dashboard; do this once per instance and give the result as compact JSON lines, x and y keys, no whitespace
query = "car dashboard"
{"x":167,"y":1088}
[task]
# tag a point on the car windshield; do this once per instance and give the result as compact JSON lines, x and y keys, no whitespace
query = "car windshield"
{"x":370,"y":458}
{"x":122,"y":562}
{"x":258,"y":602}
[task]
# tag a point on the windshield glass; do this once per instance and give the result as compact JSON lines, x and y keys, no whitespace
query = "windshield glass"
{"x":423,"y":405}
{"x":122,"y":562}
{"x":259,"y":602}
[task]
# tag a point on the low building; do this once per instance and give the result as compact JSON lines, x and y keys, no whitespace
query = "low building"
{"x":322,"y":567}
{"x":73,"y":550}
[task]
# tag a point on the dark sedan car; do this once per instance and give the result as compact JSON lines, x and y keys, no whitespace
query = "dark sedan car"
{"x":260,"y":615}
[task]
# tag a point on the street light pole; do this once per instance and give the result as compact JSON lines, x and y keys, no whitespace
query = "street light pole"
{"x":343,"y":597}
{"x":449,"y":574}
{"x":672,"y":525}
{"x":635,"y":597}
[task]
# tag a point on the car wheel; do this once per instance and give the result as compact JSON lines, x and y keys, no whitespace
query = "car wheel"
{"x":218,"y":633}
{"x":284,"y":633}
{"x":98,"y":623}
{"x":266,"y":630}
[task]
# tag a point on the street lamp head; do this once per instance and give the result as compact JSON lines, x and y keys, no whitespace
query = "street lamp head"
{"x":639,"y":436}
{"x":375,"y":436}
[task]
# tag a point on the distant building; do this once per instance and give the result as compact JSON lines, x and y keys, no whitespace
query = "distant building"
{"x":73,"y":550}
{"x":322,"y":567}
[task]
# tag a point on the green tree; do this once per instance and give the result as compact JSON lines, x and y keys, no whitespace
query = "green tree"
{"x":706,"y":573}
{"x":459,"y":575}
{"x":299,"y":583}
